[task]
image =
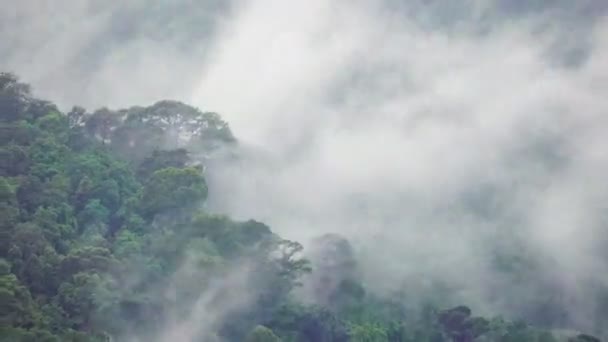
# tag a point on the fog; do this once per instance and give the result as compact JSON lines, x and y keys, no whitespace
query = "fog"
{"x":432,"y":135}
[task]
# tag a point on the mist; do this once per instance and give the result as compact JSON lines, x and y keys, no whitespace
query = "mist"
{"x":433,"y":135}
{"x":428,"y":144}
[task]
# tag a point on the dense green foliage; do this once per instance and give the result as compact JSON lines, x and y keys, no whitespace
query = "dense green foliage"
{"x":104,"y":235}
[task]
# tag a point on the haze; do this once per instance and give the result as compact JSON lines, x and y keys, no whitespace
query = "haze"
{"x":433,"y":135}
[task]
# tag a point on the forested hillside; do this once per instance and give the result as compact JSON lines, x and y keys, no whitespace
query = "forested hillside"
{"x":105,"y":237}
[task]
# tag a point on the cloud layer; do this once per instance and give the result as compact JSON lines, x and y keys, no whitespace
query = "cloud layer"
{"x":430,"y":145}
{"x":432,"y":135}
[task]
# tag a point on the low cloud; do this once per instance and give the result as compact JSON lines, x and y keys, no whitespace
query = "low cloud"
{"x":432,"y":135}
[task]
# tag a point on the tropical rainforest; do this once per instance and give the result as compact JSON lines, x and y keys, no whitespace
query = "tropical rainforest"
{"x":105,"y":236}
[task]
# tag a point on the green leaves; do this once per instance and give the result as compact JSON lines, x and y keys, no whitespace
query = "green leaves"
{"x":15,"y":160}
{"x":368,"y":333}
{"x":262,"y":334}
{"x":135,"y":133}
{"x":93,"y":217}
{"x":88,"y":259}
{"x":14,"y":97}
{"x":103,"y":232}
{"x":173,"y":189}
{"x":161,"y":159}
{"x":16,"y":308}
{"x":54,"y":124}
{"x":83,"y":297}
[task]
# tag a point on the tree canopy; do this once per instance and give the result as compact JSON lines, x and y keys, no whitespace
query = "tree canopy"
{"x":105,"y":236}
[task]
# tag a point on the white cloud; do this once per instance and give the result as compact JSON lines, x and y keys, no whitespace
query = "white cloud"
{"x":381,"y":130}
{"x":421,"y":132}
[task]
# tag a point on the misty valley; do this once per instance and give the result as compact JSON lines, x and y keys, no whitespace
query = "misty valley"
{"x":106,"y":237}
{"x":303,"y":171}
